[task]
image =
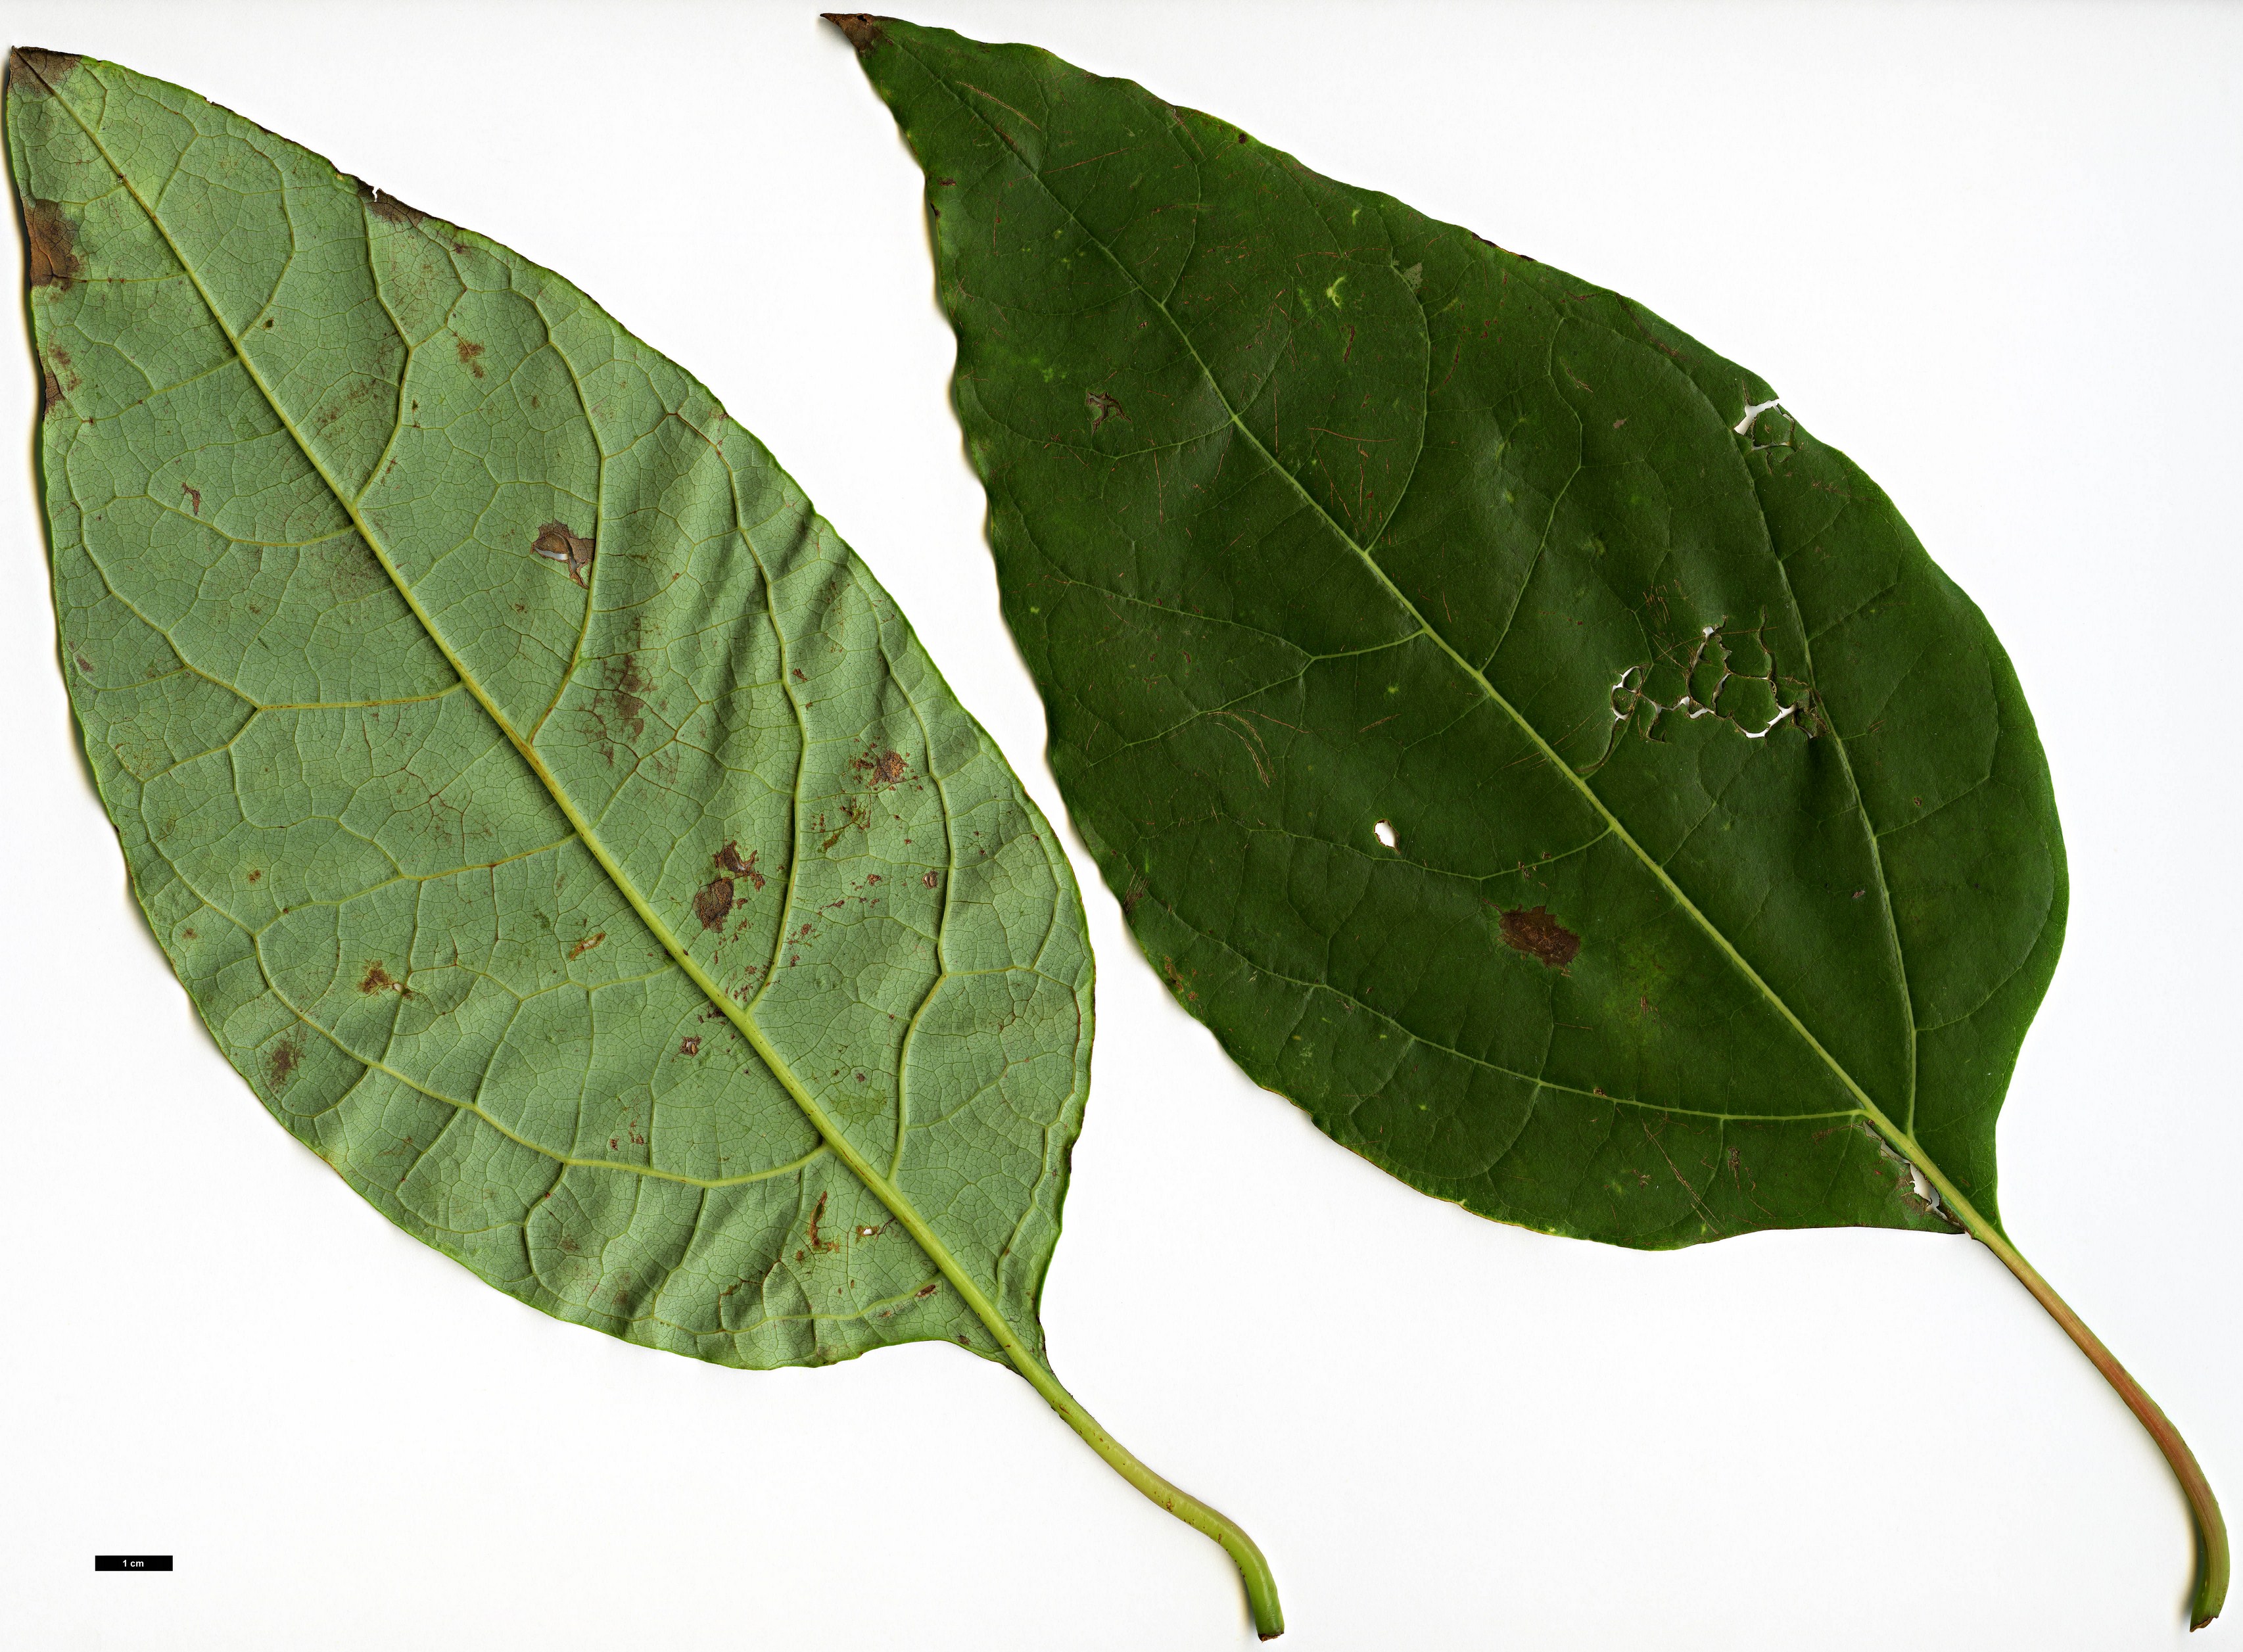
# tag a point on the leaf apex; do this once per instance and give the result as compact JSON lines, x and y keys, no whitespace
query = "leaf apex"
{"x":38,"y":71}
{"x":862,"y":28}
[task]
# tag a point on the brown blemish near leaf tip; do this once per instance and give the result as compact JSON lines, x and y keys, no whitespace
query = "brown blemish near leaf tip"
{"x":36,"y":71}
{"x":862,"y":28}
{"x":54,"y":261}
{"x":1534,"y":932}
{"x":554,"y":542}
{"x":713,"y":902}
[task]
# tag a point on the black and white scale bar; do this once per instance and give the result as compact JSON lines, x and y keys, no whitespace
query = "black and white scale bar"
{"x":132,"y":1562}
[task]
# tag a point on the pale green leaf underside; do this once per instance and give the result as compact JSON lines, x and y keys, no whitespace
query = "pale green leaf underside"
{"x":490,"y":881}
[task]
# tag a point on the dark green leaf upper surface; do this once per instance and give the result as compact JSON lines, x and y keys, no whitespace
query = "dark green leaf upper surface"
{"x":1519,"y":741}
{"x":552,"y":820}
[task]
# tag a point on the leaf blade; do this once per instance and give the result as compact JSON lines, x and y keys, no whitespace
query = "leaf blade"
{"x":532,"y":805}
{"x":1038,"y":174}
{"x":1916,"y":1003}
{"x":717,"y":666}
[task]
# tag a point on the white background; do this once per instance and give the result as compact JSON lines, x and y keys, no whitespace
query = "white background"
{"x":1992,"y":253}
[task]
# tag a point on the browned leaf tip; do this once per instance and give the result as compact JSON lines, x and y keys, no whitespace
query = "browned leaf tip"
{"x":54,"y":260}
{"x":38,"y":72}
{"x":862,"y":28}
{"x":1534,"y":932}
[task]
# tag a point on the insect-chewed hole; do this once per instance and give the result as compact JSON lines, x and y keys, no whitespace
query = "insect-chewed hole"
{"x":1753,"y":410}
{"x":1386,"y":831}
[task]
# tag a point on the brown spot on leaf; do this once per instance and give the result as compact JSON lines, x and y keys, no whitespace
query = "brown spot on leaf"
{"x":284,"y":1060}
{"x":194,"y":497}
{"x":713,"y":902}
{"x":55,"y":261}
{"x":728,"y":860}
{"x":857,"y":815}
{"x":378,"y":978}
{"x":586,"y":944}
{"x":388,"y":208}
{"x":468,"y":351}
{"x":817,"y":1243}
{"x":862,"y":28}
{"x":885,"y":769}
{"x":254,"y":874}
{"x":1103,"y":407}
{"x":554,"y":542}
{"x":689,"y":1046}
{"x":37,"y":73}
{"x":928,"y":1290}
{"x":50,"y":390}
{"x":930,"y":881}
{"x":1175,"y":980}
{"x":622,"y":700}
{"x":1534,"y":932}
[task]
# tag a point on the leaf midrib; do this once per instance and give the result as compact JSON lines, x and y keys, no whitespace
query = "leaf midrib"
{"x":1014,"y":1346}
{"x":1868,"y":1108}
